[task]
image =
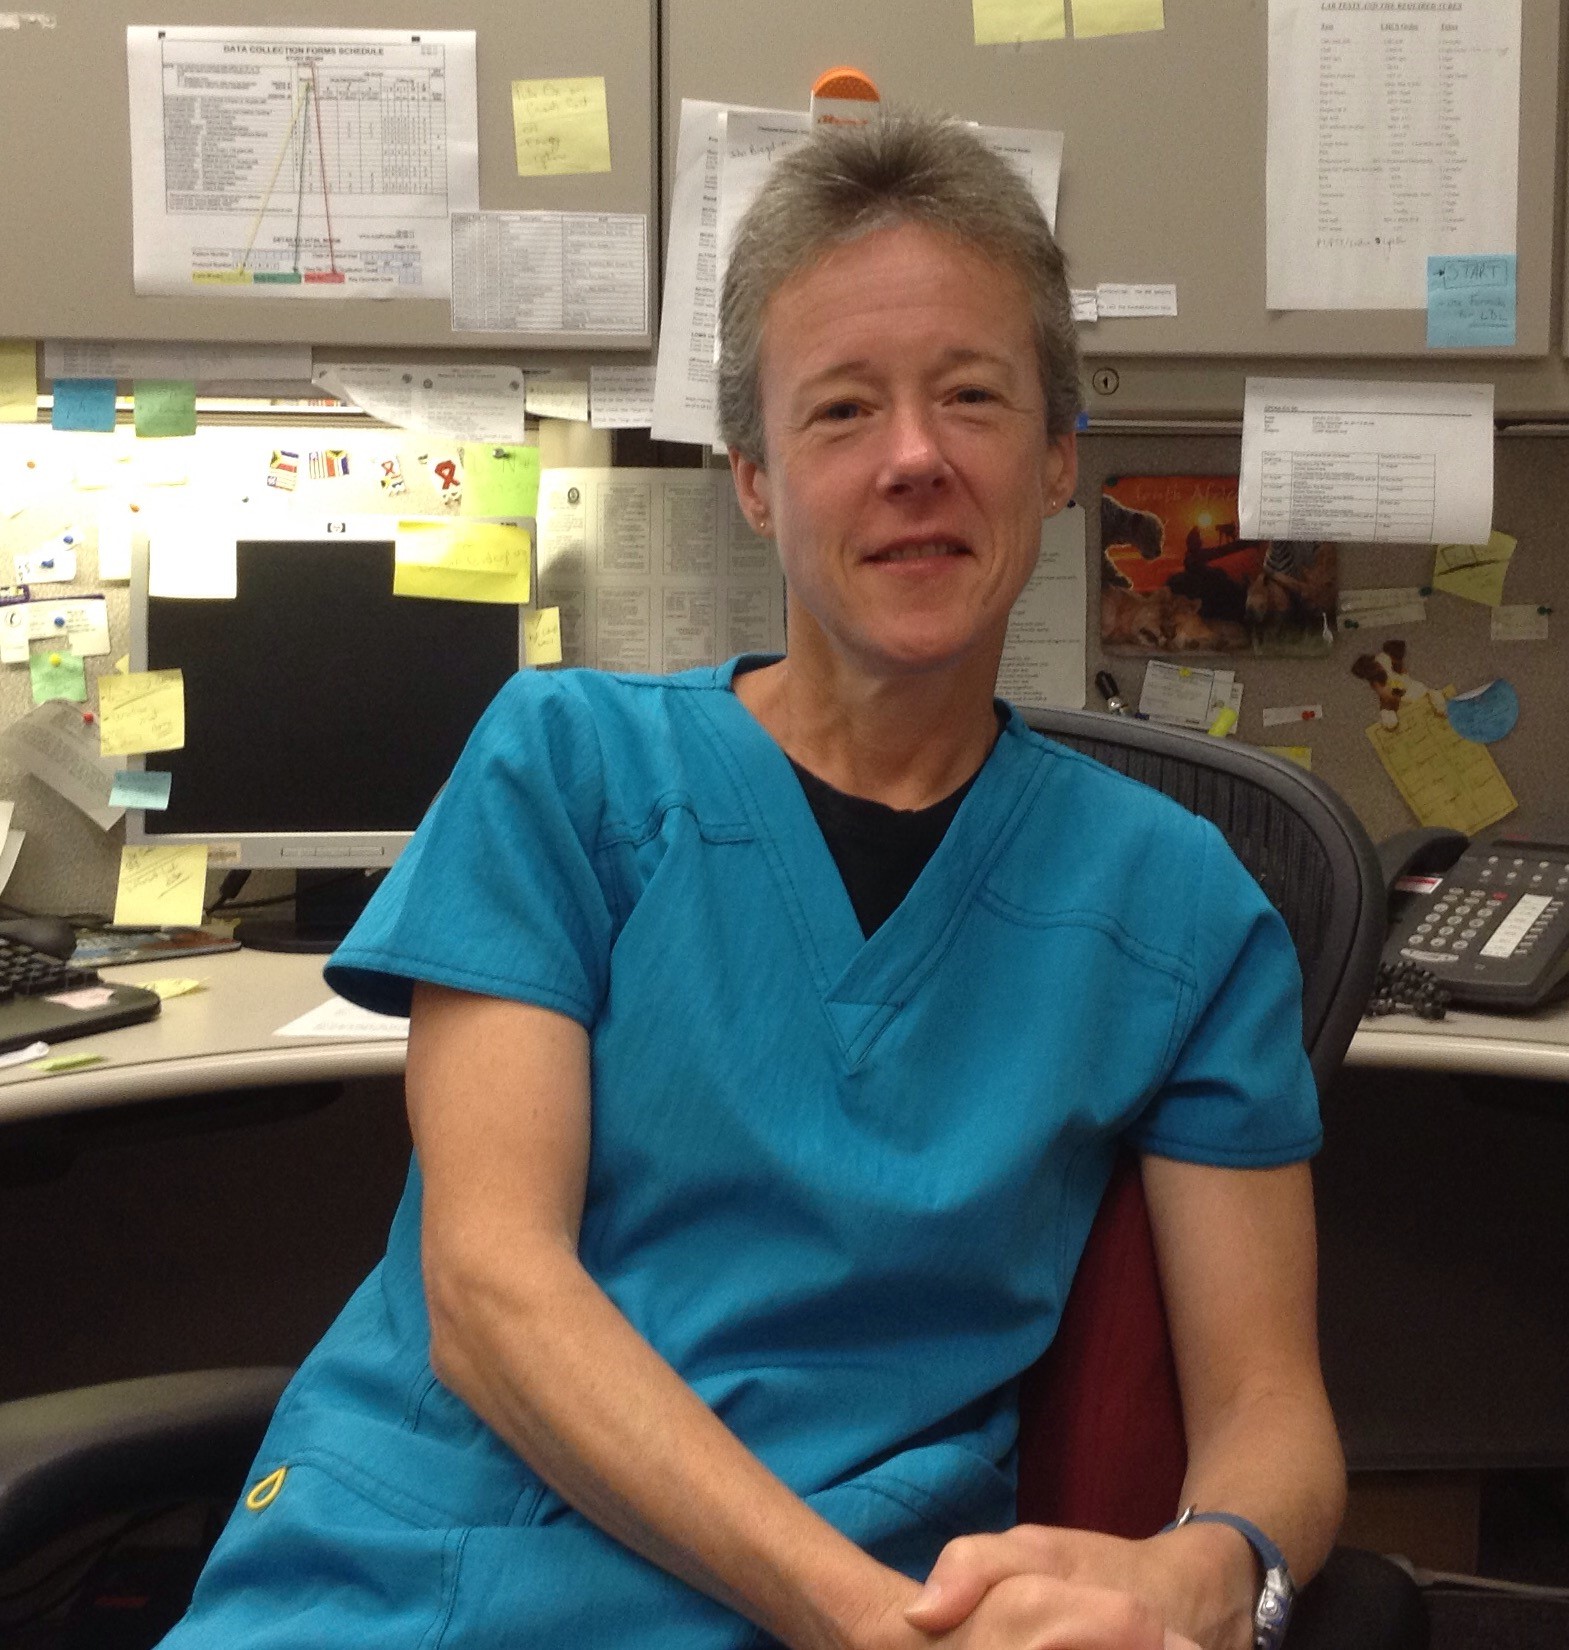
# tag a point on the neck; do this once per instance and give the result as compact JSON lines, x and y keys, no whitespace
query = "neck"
{"x":905,"y":741}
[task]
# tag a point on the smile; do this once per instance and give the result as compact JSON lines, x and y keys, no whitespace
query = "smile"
{"x":918,"y":552}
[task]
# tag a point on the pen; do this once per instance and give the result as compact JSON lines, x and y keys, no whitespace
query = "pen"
{"x":1112,"y":694}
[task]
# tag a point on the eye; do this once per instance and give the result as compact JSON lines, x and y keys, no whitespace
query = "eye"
{"x":838,"y":412}
{"x":973,"y":395}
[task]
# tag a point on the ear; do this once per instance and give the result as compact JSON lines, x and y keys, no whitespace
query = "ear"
{"x":1397,"y":655}
{"x":752,"y":489}
{"x":1059,"y":470}
{"x":1367,"y":668}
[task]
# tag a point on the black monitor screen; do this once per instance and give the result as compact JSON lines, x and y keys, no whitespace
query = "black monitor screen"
{"x":317,"y":700}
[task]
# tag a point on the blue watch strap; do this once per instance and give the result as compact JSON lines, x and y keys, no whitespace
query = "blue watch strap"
{"x":1273,"y":1609}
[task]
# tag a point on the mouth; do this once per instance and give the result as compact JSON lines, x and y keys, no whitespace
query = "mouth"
{"x":919,"y":550}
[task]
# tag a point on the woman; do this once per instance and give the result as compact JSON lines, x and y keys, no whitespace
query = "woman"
{"x":773,"y":1031}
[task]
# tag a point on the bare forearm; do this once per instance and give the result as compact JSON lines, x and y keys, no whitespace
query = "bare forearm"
{"x":559,"y":1373}
{"x":1275,"y":1458}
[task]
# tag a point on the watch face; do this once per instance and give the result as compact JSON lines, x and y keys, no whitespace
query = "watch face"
{"x":1273,"y":1610}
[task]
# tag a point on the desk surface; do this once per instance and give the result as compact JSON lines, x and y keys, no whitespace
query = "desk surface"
{"x":225,"y":1037}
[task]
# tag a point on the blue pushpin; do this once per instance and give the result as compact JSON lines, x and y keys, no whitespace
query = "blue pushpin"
{"x":59,"y":621}
{"x":68,"y":539}
{"x":48,"y":561}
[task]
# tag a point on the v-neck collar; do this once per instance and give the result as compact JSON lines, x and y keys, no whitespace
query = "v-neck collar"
{"x":863,"y":981}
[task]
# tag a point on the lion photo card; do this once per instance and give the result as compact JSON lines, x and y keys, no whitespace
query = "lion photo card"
{"x":1176,"y":576}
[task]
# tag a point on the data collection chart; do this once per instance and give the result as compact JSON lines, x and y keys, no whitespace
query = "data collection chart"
{"x":309,"y":163}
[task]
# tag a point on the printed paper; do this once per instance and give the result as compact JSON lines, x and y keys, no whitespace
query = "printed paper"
{"x":1394,"y":133}
{"x":1337,"y":459}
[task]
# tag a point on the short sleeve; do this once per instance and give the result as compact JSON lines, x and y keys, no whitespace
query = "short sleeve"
{"x":498,"y":892}
{"x":1240,"y":1091}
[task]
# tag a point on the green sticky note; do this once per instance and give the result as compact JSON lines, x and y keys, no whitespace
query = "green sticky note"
{"x":165,"y":406}
{"x":67,"y":1062}
{"x":58,"y":675}
{"x":499,"y":481}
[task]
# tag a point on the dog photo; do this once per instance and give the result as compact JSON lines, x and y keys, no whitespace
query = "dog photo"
{"x":1177,"y":577}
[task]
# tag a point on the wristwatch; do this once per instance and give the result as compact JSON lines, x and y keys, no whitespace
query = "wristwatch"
{"x":1273,"y":1609}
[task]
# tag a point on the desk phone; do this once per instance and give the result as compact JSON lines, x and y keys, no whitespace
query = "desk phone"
{"x":1490,"y":919}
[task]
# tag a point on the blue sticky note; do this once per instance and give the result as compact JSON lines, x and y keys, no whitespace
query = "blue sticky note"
{"x":1470,"y":301}
{"x":1486,"y":713}
{"x":83,"y":404}
{"x":140,"y":788}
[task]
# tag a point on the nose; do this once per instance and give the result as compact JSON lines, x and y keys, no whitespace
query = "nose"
{"x":914,"y":461}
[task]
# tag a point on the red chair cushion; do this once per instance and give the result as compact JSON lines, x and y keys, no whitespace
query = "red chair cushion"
{"x":1101,"y":1443}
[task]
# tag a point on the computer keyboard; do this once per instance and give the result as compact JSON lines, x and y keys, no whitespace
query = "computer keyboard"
{"x":45,"y":1000}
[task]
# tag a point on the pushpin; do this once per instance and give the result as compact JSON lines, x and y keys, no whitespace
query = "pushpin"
{"x":845,"y":97}
{"x":1544,"y":611}
{"x":1425,"y":590}
{"x":66,"y":538}
{"x":54,"y":661}
{"x":87,"y":717}
{"x":135,"y":509}
{"x":59,"y":618}
{"x":48,"y":561}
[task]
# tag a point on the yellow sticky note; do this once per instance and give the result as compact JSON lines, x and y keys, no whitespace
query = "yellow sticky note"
{"x":560,"y":126}
{"x":18,"y":381}
{"x":1005,"y":22}
{"x":1302,"y":755}
{"x":172,"y":988}
{"x":1445,"y":780}
{"x":455,"y":585}
{"x":499,"y":480}
{"x":542,"y":636}
{"x":143,"y":710}
{"x":463,"y":546}
{"x":161,"y":886}
{"x":1092,"y":17}
{"x":122,"y":665}
{"x":1474,"y":571}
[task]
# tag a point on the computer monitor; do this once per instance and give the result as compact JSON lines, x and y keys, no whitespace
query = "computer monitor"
{"x":322,"y":712}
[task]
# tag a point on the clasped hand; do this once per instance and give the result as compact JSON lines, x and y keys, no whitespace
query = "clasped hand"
{"x":1040,"y":1588}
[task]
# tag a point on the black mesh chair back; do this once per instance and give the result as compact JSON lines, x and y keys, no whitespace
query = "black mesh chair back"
{"x":1307,"y":849}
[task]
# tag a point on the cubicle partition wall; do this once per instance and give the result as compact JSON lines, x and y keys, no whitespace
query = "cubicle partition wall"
{"x":65,"y":256}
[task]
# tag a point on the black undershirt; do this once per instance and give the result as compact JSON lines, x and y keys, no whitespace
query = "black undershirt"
{"x":879,"y":850}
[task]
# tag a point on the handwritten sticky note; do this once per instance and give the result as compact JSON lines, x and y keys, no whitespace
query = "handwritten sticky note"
{"x":499,"y":481}
{"x":58,"y":675}
{"x":161,"y":886}
{"x":1519,"y":622}
{"x":143,"y":710}
{"x":1006,"y":22}
{"x":1093,"y":17}
{"x":560,"y":126}
{"x":165,"y":406}
{"x":455,"y":584}
{"x":1474,"y":571}
{"x":83,"y":404}
{"x":18,"y":381}
{"x":463,"y":546}
{"x":542,"y":636}
{"x":1470,"y":300}
{"x":140,"y":788}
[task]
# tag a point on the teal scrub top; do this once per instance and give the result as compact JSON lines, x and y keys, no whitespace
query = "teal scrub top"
{"x":840,"y":1183}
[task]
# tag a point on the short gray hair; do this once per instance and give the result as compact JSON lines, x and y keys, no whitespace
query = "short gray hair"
{"x":848,"y":180}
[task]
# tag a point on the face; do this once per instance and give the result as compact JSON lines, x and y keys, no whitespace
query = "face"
{"x":907,"y":469}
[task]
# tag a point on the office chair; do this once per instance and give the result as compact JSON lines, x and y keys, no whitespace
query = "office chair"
{"x":1101,"y":1439}
{"x":1101,"y":1442}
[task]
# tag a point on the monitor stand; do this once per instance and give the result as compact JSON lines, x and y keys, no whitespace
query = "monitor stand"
{"x":326,"y":906}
